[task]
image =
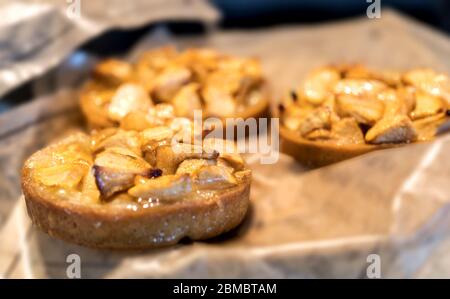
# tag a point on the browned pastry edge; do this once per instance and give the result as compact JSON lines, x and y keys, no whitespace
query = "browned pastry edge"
{"x":316,"y":154}
{"x":113,"y":227}
{"x":96,"y":119}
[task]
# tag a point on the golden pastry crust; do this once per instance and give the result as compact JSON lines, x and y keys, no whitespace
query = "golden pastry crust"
{"x":121,"y":228}
{"x":341,"y":112}
{"x":317,"y":154}
{"x":220,"y":85}
{"x":123,"y":189}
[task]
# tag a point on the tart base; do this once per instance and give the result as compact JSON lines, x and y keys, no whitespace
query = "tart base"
{"x":317,"y":154}
{"x":120,"y":228}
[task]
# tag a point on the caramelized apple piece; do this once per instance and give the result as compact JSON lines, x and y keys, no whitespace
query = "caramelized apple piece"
{"x":78,"y":151}
{"x":426,"y":105}
{"x":145,"y":76}
{"x":248,"y":93}
{"x":244,"y":67}
{"x":347,"y":131}
{"x":408,"y":94}
{"x":187,"y":100}
{"x":96,"y":102}
{"x":135,"y":121}
{"x":429,"y":81}
{"x":236,"y":77}
{"x":168,"y":157}
{"x":234,"y":159}
{"x":169,"y":82}
{"x":120,"y":158}
{"x":391,"y":78}
{"x":228,"y":81}
{"x":67,"y":175}
{"x":115,"y":172}
{"x":319,"y":118}
{"x":428,"y":127}
{"x":359,"y":87}
{"x":190,"y":166}
{"x":221,"y":162}
{"x":126,"y":139}
{"x":227,"y":151}
{"x":110,"y":181}
{"x":66,"y":165}
{"x":401,"y":101}
{"x":160,"y":114}
{"x":218,"y":101}
{"x":150,"y":146}
{"x":214,"y":177}
{"x":395,"y":129}
{"x":149,"y":151}
{"x":293,"y":116}
{"x":128,"y":98}
{"x":365,"y":111}
{"x":122,"y":151}
{"x":318,"y":85}
{"x":98,"y":136}
{"x":167,"y":187}
{"x":156,"y":134}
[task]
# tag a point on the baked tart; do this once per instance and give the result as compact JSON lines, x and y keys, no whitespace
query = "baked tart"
{"x":130,"y":189}
{"x":341,"y":112}
{"x":195,"y":79}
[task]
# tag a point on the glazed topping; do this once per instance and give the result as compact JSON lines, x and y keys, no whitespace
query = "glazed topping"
{"x":356,"y":105}
{"x":153,"y":163}
{"x":219,"y":84}
{"x":128,"y":98}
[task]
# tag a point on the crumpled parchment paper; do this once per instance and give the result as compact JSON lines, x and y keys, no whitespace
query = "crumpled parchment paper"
{"x":302,"y":223}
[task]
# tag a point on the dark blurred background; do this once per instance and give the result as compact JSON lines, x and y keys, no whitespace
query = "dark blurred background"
{"x":258,"y":14}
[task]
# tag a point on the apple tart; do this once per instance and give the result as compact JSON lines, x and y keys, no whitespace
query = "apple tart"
{"x":343,"y":111}
{"x":195,"y":79}
{"x":125,"y":189}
